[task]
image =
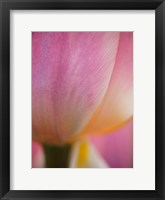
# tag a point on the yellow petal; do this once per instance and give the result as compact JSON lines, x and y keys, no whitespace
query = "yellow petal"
{"x":84,"y":155}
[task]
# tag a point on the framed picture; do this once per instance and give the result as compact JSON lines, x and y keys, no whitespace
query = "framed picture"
{"x":82,"y":99}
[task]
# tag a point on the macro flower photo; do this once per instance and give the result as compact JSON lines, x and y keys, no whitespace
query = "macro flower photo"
{"x":82,"y":99}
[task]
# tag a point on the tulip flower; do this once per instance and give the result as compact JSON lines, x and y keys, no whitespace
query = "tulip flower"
{"x":81,"y":91}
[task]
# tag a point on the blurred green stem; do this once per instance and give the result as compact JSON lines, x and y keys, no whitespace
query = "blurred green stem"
{"x":57,"y":156}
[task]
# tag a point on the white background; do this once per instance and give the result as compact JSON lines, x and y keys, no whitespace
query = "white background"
{"x":142,"y":176}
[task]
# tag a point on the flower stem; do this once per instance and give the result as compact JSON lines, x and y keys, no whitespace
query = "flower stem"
{"x":57,"y":156}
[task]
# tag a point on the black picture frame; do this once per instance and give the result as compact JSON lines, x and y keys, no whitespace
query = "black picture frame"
{"x":5,"y":7}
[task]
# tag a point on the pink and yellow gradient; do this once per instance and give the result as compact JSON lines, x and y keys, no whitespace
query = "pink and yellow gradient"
{"x":82,"y":90}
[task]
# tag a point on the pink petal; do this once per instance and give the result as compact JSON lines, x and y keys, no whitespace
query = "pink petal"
{"x":116,"y":148}
{"x":71,"y":72}
{"x":38,"y":158}
{"x":116,"y":107}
